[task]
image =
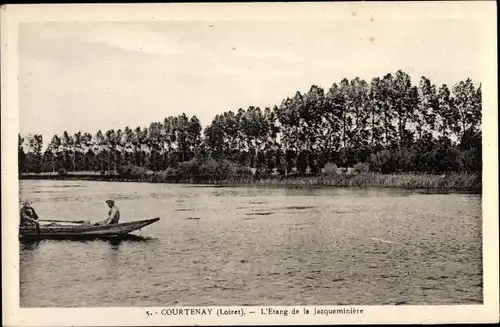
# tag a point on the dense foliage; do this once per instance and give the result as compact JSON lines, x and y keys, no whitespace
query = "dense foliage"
{"x":386,"y":125}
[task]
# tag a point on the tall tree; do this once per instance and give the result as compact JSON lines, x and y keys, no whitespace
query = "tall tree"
{"x":100,"y":150}
{"x":427,"y":109}
{"x":112,"y":143}
{"x":357,"y":108}
{"x":128,"y":139}
{"x":289,"y":117}
{"x":36,"y":143}
{"x":446,"y":119}
{"x":89,"y":155}
{"x":155,"y":144}
{"x":194,"y":134}
{"x":478,"y":107}
{"x":467,"y":110}
{"x":21,"y":155}
{"x":77,"y":148}
{"x":68,"y":148}
{"x":345,"y":114}
{"x":376,"y":103}
{"x":334,"y":119}
{"x":140,"y":139}
{"x":311,"y":114}
{"x":386,"y":93}
{"x":404,"y":102}
{"x":54,"y":148}
{"x":182,"y":136}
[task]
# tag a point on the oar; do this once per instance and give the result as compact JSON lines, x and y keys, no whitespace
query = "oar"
{"x":64,"y":221}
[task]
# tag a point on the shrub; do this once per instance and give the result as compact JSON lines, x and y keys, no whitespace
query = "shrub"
{"x":404,"y":159}
{"x":361,"y":167}
{"x":227,"y":168}
{"x":302,"y":162}
{"x":160,"y":176}
{"x":262,"y":173}
{"x":171,"y":172}
{"x":131,"y":171}
{"x":244,"y":171}
{"x":330,"y":169}
{"x":446,"y":159}
{"x":236,"y":169}
{"x":397,"y":160}
{"x":209,"y":167}
{"x":62,"y":172}
{"x":382,"y":161}
{"x":470,"y":160}
{"x":189,"y":168}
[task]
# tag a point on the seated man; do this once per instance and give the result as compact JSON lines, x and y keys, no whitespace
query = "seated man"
{"x":113,"y":215}
{"x":28,"y":215}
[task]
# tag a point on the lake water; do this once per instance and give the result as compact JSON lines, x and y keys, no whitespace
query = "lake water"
{"x":256,"y":246}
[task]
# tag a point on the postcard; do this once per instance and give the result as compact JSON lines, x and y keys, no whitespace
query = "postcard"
{"x":249,"y":163}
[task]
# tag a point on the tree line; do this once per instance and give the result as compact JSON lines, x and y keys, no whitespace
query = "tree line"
{"x":387,"y":125}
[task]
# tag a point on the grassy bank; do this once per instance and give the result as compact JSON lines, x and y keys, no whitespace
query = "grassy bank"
{"x":457,"y":181}
{"x":461,"y":182}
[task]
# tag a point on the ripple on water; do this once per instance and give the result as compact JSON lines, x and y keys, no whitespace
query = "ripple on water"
{"x":259,"y":213}
{"x":298,"y":207}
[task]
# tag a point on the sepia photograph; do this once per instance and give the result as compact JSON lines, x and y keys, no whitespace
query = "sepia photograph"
{"x":203,"y":160}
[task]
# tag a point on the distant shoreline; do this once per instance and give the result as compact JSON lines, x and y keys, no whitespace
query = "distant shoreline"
{"x":455,"y":182}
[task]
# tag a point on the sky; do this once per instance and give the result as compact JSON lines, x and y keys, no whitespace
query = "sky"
{"x":80,"y":76}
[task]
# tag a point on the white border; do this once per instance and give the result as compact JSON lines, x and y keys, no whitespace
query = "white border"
{"x":477,"y":11}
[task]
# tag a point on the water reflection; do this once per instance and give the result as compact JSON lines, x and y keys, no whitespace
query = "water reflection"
{"x":130,"y":238}
{"x":33,"y":243}
{"x":115,"y":244}
{"x":29,"y":244}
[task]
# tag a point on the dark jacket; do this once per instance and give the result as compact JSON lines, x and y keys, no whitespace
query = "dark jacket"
{"x":27,"y":214}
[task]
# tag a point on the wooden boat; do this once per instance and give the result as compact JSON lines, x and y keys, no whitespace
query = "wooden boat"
{"x":82,"y":230}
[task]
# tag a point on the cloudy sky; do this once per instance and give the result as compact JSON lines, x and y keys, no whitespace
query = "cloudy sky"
{"x":91,"y":76}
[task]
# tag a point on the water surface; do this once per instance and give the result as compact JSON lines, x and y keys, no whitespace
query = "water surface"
{"x":255,"y":246}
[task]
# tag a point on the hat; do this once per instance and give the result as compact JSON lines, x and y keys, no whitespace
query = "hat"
{"x":26,"y":203}
{"x":110,"y":201}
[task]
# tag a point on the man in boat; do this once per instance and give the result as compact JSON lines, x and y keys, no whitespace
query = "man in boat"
{"x":28,"y":215}
{"x":113,"y":215}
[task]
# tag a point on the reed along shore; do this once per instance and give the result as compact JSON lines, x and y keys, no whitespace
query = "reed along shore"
{"x":460,"y":182}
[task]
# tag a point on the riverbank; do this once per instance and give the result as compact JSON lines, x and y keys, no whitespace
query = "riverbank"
{"x":463,"y":182}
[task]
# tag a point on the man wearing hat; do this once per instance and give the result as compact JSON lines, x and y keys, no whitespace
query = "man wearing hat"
{"x":28,"y":214}
{"x":113,"y":215}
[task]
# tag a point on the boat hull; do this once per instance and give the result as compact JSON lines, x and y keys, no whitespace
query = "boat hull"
{"x":83,"y":231}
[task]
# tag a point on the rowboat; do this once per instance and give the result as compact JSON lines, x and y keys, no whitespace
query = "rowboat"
{"x":83,"y":230}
